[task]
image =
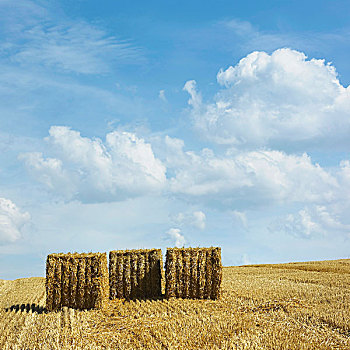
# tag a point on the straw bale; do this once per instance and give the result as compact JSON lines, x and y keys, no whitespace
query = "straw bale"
{"x":100,"y":283}
{"x":73,"y":280}
{"x":216,"y":273}
{"x":50,"y":274}
{"x":170,"y":273}
{"x":112,"y":275}
{"x":76,"y":281}
{"x":186,"y":273}
{"x":127,"y":275}
{"x":141,"y":273}
{"x":133,"y":274}
{"x":147,"y":281}
{"x":65,"y":282}
{"x":208,"y":274}
{"x":193,"y":273}
{"x":156,"y":264}
{"x":57,"y":287}
{"x":201,"y":273}
{"x":118,"y":281}
{"x":81,"y":283}
{"x":179,"y":268}
{"x":88,"y":291}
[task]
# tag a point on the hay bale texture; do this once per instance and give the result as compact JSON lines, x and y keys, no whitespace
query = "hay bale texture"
{"x":135,"y":273}
{"x":193,"y":273}
{"x":78,"y":281}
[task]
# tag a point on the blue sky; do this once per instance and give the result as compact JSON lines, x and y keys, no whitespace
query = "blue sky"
{"x":139,"y":125}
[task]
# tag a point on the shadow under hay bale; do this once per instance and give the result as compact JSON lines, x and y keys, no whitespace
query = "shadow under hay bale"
{"x":193,"y":273}
{"x":35,"y":308}
{"x":135,"y":274}
{"x":78,"y":281}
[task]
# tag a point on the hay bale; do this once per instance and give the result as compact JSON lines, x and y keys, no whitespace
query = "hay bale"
{"x":76,"y":280}
{"x":156,"y":265}
{"x":141,"y":277}
{"x":88,"y":291}
{"x":135,"y":292}
{"x":57,"y":288}
{"x":170,"y":273}
{"x":141,"y":281}
{"x":65,"y":281}
{"x":127,"y":275}
{"x":112,"y":275}
{"x":179,"y":267}
{"x":193,"y":273}
{"x":80,"y":295}
{"x":118,"y":280}
{"x":100,"y":283}
{"x":186,"y":273}
{"x":216,"y":273}
{"x":73,"y":281}
{"x":201,"y":273}
{"x":50,"y":279}
{"x":147,"y":281}
{"x":208,"y":274}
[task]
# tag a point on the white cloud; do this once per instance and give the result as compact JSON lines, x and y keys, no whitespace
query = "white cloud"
{"x":196,"y":98}
{"x":12,"y":220}
{"x":92,"y":171}
{"x":36,"y":36}
{"x":74,"y":47}
{"x":162,"y":95}
{"x":241,"y":217}
{"x":125,"y":166}
{"x":199,"y":219}
{"x":311,"y":221}
{"x":177,"y":237}
{"x":242,"y":28}
{"x":279,"y":100}
{"x":247,"y":178}
{"x":195,"y":219}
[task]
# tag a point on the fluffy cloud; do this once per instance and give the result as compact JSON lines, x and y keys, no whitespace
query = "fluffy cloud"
{"x":311,"y":221}
{"x":196,"y":219}
{"x":279,"y":100}
{"x":92,"y":171}
{"x":12,"y":220}
{"x":247,"y":178}
{"x":175,"y":235}
{"x":321,"y":217}
{"x":126,"y":166}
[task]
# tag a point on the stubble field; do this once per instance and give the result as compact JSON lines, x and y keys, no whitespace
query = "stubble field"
{"x":285,"y":306}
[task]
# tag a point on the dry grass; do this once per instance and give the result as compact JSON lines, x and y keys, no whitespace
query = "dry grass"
{"x":289,"y":306}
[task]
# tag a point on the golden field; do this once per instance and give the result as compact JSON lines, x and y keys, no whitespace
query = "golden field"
{"x":285,"y":306}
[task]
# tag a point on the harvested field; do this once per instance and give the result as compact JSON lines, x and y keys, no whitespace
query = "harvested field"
{"x":193,"y":273}
{"x":78,"y":281}
{"x":289,"y":306}
{"x":135,"y":273}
